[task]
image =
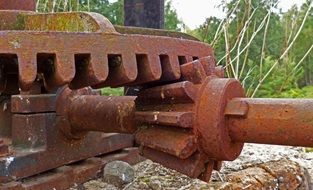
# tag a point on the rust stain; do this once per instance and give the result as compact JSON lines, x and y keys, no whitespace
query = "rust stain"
{"x":186,"y":115}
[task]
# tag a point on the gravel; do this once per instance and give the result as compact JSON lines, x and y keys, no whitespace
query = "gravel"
{"x":152,"y":176}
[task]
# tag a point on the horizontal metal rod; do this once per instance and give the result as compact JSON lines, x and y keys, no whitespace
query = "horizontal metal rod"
{"x":103,"y":114}
{"x":271,"y":121}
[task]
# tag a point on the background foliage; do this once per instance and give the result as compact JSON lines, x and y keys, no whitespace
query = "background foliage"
{"x":269,"y":51}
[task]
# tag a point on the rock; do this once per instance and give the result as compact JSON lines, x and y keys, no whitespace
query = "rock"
{"x":155,"y":185}
{"x":118,"y":173}
{"x":254,"y":177}
{"x":97,"y":185}
{"x":283,"y":174}
{"x":286,"y":172}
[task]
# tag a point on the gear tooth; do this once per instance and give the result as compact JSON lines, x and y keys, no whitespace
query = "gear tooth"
{"x":149,"y":69}
{"x":170,"y":67}
{"x":193,"y":72}
{"x":182,"y":92}
{"x":208,"y":64}
{"x":207,"y":173}
{"x":192,"y":166}
{"x":63,"y":70}
{"x":91,"y":69}
{"x":175,"y":119}
{"x":179,"y":143}
{"x":219,"y":71}
{"x":100,"y":67}
{"x":27,"y":68}
{"x":122,"y":69}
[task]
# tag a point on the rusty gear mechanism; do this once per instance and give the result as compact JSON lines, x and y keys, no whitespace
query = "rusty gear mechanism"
{"x":186,"y":115}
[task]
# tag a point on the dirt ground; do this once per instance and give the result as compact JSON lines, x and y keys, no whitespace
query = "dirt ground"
{"x":258,"y":167}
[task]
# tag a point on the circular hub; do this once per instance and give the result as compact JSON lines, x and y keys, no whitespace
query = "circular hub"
{"x":64,"y":97}
{"x":211,"y":123}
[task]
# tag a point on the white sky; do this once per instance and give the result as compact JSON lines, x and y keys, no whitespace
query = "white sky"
{"x":194,"y":12}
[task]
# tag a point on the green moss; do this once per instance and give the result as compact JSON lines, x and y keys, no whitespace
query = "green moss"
{"x":146,"y":180}
{"x":20,"y":22}
{"x":68,"y":22}
{"x":112,"y":91}
{"x":309,"y":149}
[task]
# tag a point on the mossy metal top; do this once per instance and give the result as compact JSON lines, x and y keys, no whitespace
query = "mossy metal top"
{"x":90,"y":37}
{"x":61,"y":22}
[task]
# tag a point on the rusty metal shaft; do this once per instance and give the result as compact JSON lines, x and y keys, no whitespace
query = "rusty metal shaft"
{"x":102,"y":113}
{"x":271,"y":121}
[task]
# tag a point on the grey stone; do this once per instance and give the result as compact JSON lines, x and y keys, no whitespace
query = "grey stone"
{"x":118,"y":173}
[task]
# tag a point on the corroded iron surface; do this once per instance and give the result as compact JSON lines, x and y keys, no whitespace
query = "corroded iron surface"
{"x":101,"y":60}
{"x":95,"y":59}
{"x":283,"y":121}
{"x":74,"y":174}
{"x":186,"y":115}
{"x":45,"y":67}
